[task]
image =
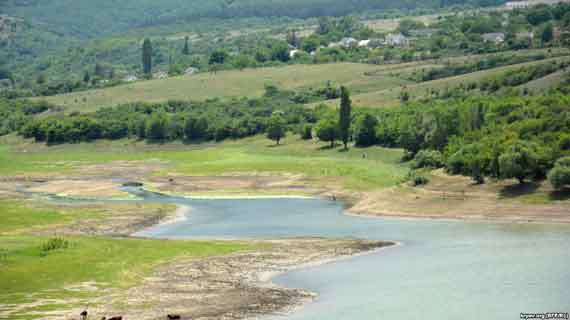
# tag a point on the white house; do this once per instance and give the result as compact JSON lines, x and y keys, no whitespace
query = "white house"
{"x":517,"y":4}
{"x":190,"y":71}
{"x":524,"y":35}
{"x":364,"y":43}
{"x":348,"y":42}
{"x":397,"y":40}
{"x":496,"y":37}
{"x":130,"y":78}
{"x":292,"y":53}
{"x":160,"y":75}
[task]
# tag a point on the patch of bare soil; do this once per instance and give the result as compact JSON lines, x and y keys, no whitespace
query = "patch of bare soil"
{"x":122,"y":169}
{"x":226,"y":287}
{"x":232,"y":184}
{"x":92,"y":188}
{"x":459,"y":198}
{"x":113,"y":219}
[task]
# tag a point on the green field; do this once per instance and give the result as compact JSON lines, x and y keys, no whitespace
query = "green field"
{"x":390,"y":96}
{"x":371,"y":85}
{"x":234,"y":83}
{"x":103,"y":262}
{"x":255,"y":155}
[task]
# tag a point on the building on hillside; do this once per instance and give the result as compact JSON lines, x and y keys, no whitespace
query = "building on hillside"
{"x":376,"y":43}
{"x":348,"y":42}
{"x":423,"y":33}
{"x":524,"y":35}
{"x":526,"y":4}
{"x":130,"y":78}
{"x":397,"y":40}
{"x":517,"y":5}
{"x":495,"y":37}
{"x":190,"y":71}
{"x":364,"y":43}
{"x":292,"y":53}
{"x":160,"y":75}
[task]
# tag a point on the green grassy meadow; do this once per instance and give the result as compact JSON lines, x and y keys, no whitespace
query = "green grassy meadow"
{"x":371,"y":85}
{"x":234,"y":83}
{"x":380,"y":168}
{"x":102,"y":262}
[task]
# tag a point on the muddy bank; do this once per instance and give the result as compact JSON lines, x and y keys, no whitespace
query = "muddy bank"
{"x":236,"y":286}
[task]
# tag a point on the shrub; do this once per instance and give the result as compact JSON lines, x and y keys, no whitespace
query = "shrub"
{"x":428,"y":159}
{"x":559,"y":176}
{"x":420,"y":180}
{"x":54,"y":244}
{"x":307,"y":132}
{"x":417,"y":179}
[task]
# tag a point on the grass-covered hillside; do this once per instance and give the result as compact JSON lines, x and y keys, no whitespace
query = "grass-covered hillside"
{"x":371,"y":85}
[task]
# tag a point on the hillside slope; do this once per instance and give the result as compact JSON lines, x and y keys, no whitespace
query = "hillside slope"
{"x":77,"y":18}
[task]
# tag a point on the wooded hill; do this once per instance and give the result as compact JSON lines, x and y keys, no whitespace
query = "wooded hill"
{"x":77,"y":18}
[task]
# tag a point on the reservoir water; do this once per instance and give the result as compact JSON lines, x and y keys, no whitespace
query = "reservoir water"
{"x":442,"y":269}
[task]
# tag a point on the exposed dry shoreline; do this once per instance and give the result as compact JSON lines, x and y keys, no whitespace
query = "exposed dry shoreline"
{"x":238,"y":286}
{"x":235,"y":286}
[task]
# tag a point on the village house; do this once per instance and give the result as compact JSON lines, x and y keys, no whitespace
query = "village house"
{"x":524,"y":35}
{"x":190,"y":71}
{"x":526,"y":4}
{"x":495,"y":37}
{"x":364,"y":43}
{"x":423,"y":33}
{"x":292,"y":53}
{"x":348,"y":42}
{"x":130,"y":78}
{"x":397,"y":40}
{"x":160,"y":75}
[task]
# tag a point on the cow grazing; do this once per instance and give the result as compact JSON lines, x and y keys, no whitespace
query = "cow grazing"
{"x":116,"y":318}
{"x":84,"y":315}
{"x":173,"y":317}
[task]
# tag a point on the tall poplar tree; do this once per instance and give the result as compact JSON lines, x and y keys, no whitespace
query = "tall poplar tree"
{"x":344,"y":116}
{"x":147,"y":57}
{"x":186,"y":50}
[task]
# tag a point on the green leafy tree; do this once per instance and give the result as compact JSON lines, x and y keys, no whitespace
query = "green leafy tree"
{"x":86,"y":77}
{"x":559,"y":176}
{"x":520,"y":162}
{"x":280,"y":52}
{"x":547,"y":33}
{"x":327,"y":130}
{"x":307,"y":132}
{"x":276,"y":128}
{"x":344,"y":116}
{"x":195,"y":128}
{"x":218,"y":57}
{"x":147,"y":57}
{"x":365,"y":130}
{"x":156,"y":129}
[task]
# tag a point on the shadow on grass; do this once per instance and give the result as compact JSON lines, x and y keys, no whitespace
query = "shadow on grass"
{"x":560,"y":195}
{"x":519,"y":190}
{"x":328,"y":147}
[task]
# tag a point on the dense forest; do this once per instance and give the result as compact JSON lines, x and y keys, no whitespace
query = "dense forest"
{"x":74,"y":17}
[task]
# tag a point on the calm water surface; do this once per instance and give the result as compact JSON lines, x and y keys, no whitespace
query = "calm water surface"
{"x":442,"y":270}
